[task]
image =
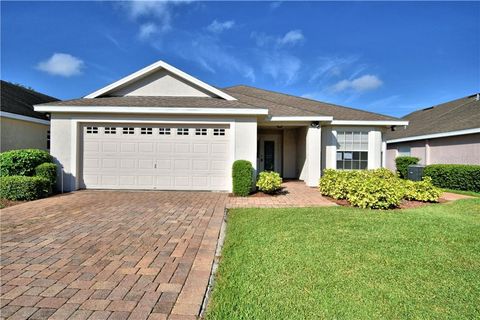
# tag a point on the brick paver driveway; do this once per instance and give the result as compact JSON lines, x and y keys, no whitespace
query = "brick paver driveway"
{"x":108,"y":254}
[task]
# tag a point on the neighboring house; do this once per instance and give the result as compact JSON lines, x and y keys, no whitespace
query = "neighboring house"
{"x":20,"y":126}
{"x":160,"y":128}
{"x":447,"y":133}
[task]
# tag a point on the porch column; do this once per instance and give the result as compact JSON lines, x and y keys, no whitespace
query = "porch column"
{"x":314,"y":164}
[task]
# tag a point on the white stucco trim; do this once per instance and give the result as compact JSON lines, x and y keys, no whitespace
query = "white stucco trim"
{"x":370,"y":122}
{"x":150,"y":110}
{"x":151,"y":68}
{"x":436,"y":135}
{"x":306,"y":118}
{"x":23,"y":118}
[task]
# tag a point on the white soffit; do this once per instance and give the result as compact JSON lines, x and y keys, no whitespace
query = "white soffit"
{"x":152,"y":68}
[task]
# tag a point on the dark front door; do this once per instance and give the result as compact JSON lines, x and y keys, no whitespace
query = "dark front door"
{"x":269,"y":151}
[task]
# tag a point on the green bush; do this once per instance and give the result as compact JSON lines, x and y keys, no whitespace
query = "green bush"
{"x":24,"y":188}
{"x":421,"y":190}
{"x":22,"y":162}
{"x":375,"y":189}
{"x":369,"y":190}
{"x":454,"y":176}
{"x":47,"y":171}
{"x":269,"y":181}
{"x":402,"y":164}
{"x":242,"y":177}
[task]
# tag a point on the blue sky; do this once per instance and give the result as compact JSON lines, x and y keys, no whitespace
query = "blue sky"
{"x":390,"y":58}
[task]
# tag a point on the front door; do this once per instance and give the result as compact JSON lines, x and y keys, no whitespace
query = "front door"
{"x":269,"y":155}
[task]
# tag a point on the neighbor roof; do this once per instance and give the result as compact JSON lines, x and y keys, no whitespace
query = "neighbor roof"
{"x":456,"y":115}
{"x":19,"y":100}
{"x":280,"y":104}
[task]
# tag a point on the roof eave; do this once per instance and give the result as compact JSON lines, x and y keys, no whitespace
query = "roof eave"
{"x":436,"y":135}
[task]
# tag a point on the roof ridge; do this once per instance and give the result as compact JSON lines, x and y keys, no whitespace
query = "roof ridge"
{"x":31,"y":91}
{"x":311,"y":100}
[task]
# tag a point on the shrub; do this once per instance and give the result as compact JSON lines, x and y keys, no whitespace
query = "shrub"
{"x":47,"y":171}
{"x":421,"y":190}
{"x":24,"y":188}
{"x":242,"y":177}
{"x":367,"y":190}
{"x":22,"y":162}
{"x":402,"y":164}
{"x":334,"y":183}
{"x":454,"y":176}
{"x":269,"y":181}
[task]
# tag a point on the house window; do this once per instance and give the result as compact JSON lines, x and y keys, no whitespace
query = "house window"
{"x":182,"y":131}
{"x":352,"y":150}
{"x":48,"y":139}
{"x":218,"y":132}
{"x":92,"y":130}
{"x":146,"y":131}
{"x":403,"y":151}
{"x":164,"y":131}
{"x":110,"y":130}
{"x":200,"y":132}
{"x":128,"y":130}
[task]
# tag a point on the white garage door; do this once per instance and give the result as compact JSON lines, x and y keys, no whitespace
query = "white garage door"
{"x":163,"y":157}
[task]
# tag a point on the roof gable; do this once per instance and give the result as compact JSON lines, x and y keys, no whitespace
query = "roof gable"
{"x":160,"y":79}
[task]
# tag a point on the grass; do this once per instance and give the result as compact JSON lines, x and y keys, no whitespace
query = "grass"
{"x":347,"y":263}
{"x":467,"y":193}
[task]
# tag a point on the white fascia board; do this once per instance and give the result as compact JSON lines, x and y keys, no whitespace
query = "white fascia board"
{"x":155,"y":66}
{"x":23,"y":118}
{"x":370,"y":122}
{"x":301,"y":118}
{"x":150,"y":110}
{"x":436,"y":135}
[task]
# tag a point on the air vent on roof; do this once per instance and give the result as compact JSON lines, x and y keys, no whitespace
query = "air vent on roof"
{"x":427,"y":108}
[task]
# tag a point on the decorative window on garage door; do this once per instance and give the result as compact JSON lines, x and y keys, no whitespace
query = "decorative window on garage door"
{"x":201,"y":131}
{"x":352,"y":150}
{"x":110,"y":130}
{"x":92,"y":130}
{"x":219,"y":132}
{"x":164,"y":131}
{"x":182,"y":131}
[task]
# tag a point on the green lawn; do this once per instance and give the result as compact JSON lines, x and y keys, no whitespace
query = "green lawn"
{"x":467,"y":193}
{"x":346,"y":263}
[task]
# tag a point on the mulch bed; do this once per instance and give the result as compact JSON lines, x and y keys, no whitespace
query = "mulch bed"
{"x":4,"y":203}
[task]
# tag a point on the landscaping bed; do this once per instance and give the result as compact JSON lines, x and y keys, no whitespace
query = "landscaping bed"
{"x":350,"y":263}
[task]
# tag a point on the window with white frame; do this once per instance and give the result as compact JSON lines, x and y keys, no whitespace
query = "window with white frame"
{"x":146,"y":131}
{"x":92,"y":130}
{"x":200,"y":131}
{"x":218,"y":132}
{"x":404,"y":151}
{"x":110,"y":130}
{"x":164,"y":131}
{"x":128,"y":130}
{"x":182,"y":131}
{"x":352,"y":150}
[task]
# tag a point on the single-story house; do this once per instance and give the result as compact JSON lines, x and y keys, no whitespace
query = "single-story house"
{"x":448,"y":134}
{"x":160,"y":128}
{"x":20,"y":126}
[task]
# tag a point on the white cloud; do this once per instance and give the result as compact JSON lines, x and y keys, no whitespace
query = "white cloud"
{"x":331,"y":67}
{"x":291,"y":38}
{"x":62,"y":64}
{"x":218,"y":27}
{"x":360,"y":84}
{"x":283,"y":67}
{"x":275,"y":4}
{"x":147,"y":30}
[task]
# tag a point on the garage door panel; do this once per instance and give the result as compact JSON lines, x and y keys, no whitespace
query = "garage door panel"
{"x":128,"y":159}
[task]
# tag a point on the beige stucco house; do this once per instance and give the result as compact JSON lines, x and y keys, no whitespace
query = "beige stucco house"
{"x":445,"y":134}
{"x":160,"y":128}
{"x":20,"y":126}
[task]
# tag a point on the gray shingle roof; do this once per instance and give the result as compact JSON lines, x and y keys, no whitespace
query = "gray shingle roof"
{"x":460,"y":114}
{"x":281,"y":104}
{"x":20,"y":100}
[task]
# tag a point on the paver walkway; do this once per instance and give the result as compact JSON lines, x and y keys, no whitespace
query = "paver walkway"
{"x":109,"y":254}
{"x":294,"y":194}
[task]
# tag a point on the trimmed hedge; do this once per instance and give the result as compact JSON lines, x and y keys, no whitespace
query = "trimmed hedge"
{"x":242,"y":177}
{"x":22,"y":162}
{"x":454,"y":176}
{"x":269,"y":181}
{"x":24,"y":188}
{"x":47,"y":171}
{"x":375,"y":189}
{"x":402,"y":164}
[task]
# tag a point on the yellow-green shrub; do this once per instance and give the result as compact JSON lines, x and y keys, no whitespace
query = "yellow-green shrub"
{"x":269,"y":181}
{"x":421,"y":190}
